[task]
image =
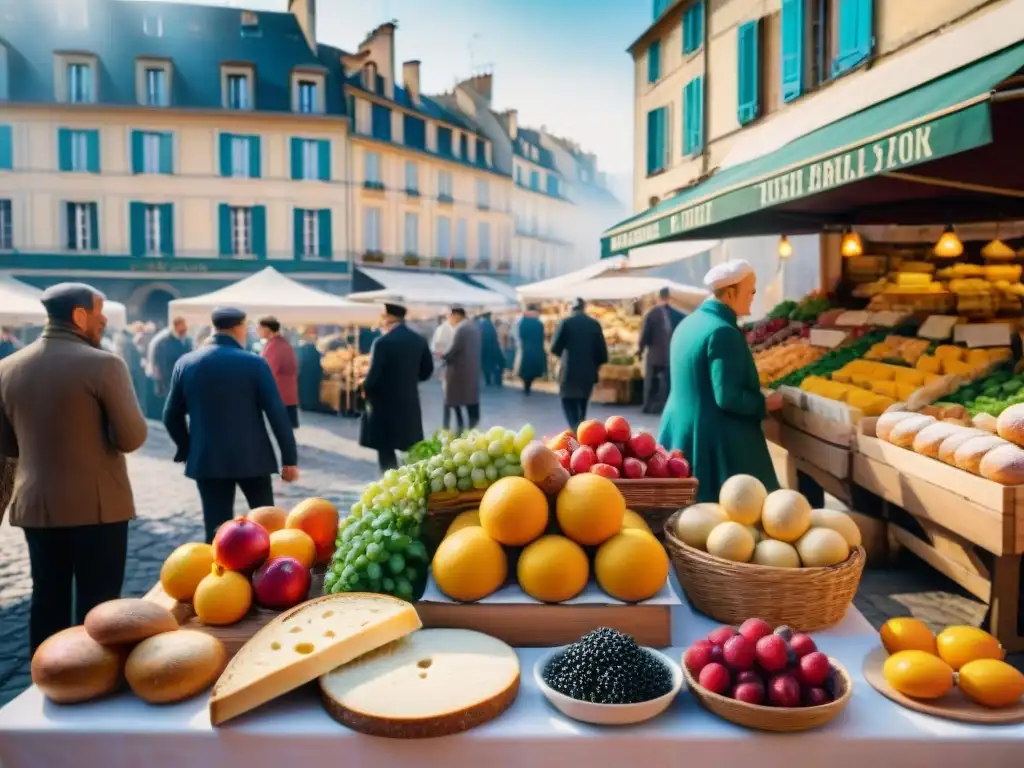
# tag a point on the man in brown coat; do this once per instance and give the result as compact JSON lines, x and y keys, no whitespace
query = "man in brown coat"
{"x":68,"y":414}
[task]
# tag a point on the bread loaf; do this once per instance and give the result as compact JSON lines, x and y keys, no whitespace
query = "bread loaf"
{"x":927,"y":441}
{"x":903,"y":433}
{"x":431,"y":683}
{"x":174,"y":666}
{"x":888,"y":420}
{"x":1010,"y":424}
{"x":1004,"y":464}
{"x":969,"y":455}
{"x":70,"y":667}
{"x":986,"y":421}
{"x":955,"y":440}
{"x":127,"y":621}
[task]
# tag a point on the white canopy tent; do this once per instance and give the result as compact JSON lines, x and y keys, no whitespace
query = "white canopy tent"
{"x":545,"y":289}
{"x":20,"y":304}
{"x":428,"y":294}
{"x":268,"y":292}
{"x":620,"y":287}
{"x":662,"y":254}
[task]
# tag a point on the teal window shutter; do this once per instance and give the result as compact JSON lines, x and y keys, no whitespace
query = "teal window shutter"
{"x":298,"y":220}
{"x":296,"y":145}
{"x":663,"y":138}
{"x":855,"y":38}
{"x":653,"y":154}
{"x":64,"y":149}
{"x":693,"y":27}
{"x":748,"y":101}
{"x":224,"y":219}
{"x":225,"y":155}
{"x":166,"y":153}
{"x":167,"y":229}
{"x":137,"y":228}
{"x":137,"y":151}
{"x":326,"y":236}
{"x":69,"y":226}
{"x":92,"y":153}
{"x":654,"y":62}
{"x":259,"y":231}
{"x":94,"y":227}
{"x":792,"y":47}
{"x":254,"y":157}
{"x":698,"y":98}
{"x":323,"y":154}
{"x":693,"y":120}
{"x":6,"y":148}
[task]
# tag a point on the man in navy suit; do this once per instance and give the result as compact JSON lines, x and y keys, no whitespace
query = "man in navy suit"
{"x":225,"y":392}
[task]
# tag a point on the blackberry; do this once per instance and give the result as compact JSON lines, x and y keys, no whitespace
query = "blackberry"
{"x":607,"y":667}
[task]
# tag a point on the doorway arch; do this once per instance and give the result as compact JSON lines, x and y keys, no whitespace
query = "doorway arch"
{"x":149,"y":302}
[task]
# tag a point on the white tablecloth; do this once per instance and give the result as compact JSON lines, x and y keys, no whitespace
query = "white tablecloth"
{"x":295,"y":732}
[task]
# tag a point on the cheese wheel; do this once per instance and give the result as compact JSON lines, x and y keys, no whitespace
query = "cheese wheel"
{"x":903,"y":433}
{"x":888,"y":420}
{"x":433,"y":682}
{"x":1010,"y":424}
{"x":127,"y":621}
{"x":927,"y":441}
{"x":955,"y":440}
{"x":1004,"y":464}
{"x":969,"y":455}
{"x":70,"y":667}
{"x":174,"y":666}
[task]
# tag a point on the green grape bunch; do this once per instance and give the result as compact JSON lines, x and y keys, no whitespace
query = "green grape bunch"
{"x":378,"y":548}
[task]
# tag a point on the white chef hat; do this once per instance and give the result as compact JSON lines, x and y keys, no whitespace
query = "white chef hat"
{"x":729,"y":273}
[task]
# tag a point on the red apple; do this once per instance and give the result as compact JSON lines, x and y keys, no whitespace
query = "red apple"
{"x":739,"y":653}
{"x":591,"y":432}
{"x":772,"y":653}
{"x":749,"y":693}
{"x":720,"y":635}
{"x":633,"y":469}
{"x":715,"y":678}
{"x":755,"y":629}
{"x":675,"y":453}
{"x":678,"y":467}
{"x":657,"y":465}
{"x":281,"y":583}
{"x":583,"y":458}
{"x":642,"y":445}
{"x":697,"y":656}
{"x":813,"y":669}
{"x":563,"y":457}
{"x":607,"y":453}
{"x":605,"y":470}
{"x":802,"y":644}
{"x":784,"y":691}
{"x":241,"y":545}
{"x":618,"y":429}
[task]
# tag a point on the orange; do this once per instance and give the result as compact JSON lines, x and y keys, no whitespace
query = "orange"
{"x":553,"y":569}
{"x":469,"y":565}
{"x":590,"y":509}
{"x":184,"y":568}
{"x":222,"y":597}
{"x":514,"y":511}
{"x":961,"y":645}
{"x":465,"y":519}
{"x":291,"y":542}
{"x":918,"y":674}
{"x":271,"y":518}
{"x":631,"y":519}
{"x":319,"y":519}
{"x":631,"y":566}
{"x":907,"y":634}
{"x":991,"y":683}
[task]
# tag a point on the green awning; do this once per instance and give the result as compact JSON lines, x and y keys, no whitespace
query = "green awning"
{"x":944,"y":117}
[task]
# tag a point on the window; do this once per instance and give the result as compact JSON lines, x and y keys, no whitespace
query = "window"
{"x":693,"y":27}
{"x":481,"y":153}
{"x":693,"y":116}
{"x":308,"y":101}
{"x":239,"y":156}
{"x":78,"y":150}
{"x":156,"y":87}
{"x":654,"y":62}
{"x":412,"y":233}
{"x":81,"y":227}
{"x":238,"y":91}
{"x":444,"y":187}
{"x":371,"y":170}
{"x":151,"y":229}
{"x":791,"y":25}
{"x":380,"y":122}
{"x":153,"y":25}
{"x":519,"y":175}
{"x":484,"y":241}
{"x":748,"y":106}
{"x":6,"y":226}
{"x":659,"y":8}
{"x":371,"y":230}
{"x":6,"y":148}
{"x":79,"y":83}
{"x":311,"y":159}
{"x":461,"y":237}
{"x":483,"y":194}
{"x":464,"y":146}
{"x":535,"y":180}
{"x":241,"y":231}
{"x":444,"y":237}
{"x":444,"y":141}
{"x":552,"y":185}
{"x":250,"y":24}
{"x":657,"y":140}
{"x":855,"y":38}
{"x":412,"y":181}
{"x":312,"y":231}
{"x":152,"y":152}
{"x":414,"y":132}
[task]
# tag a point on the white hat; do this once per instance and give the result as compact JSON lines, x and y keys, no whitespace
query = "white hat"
{"x":729,"y":273}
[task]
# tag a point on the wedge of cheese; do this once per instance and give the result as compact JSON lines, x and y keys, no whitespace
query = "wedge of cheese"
{"x":305,"y":642}
{"x":433,"y":682}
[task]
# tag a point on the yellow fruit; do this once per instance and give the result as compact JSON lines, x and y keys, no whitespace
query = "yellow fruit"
{"x":184,"y":568}
{"x":291,"y":542}
{"x":514,"y":511}
{"x":271,"y":518}
{"x":222,"y":597}
{"x":959,"y":645}
{"x":991,"y":683}
{"x":754,"y":531}
{"x":590,"y":509}
{"x":837,"y":521}
{"x":319,"y":519}
{"x":469,"y":565}
{"x":631,"y":566}
{"x":695,"y":524}
{"x":786,"y":515}
{"x":731,"y":541}
{"x":462,"y":520}
{"x":631,"y":519}
{"x":822,"y":547}
{"x":553,"y":569}
{"x":742,"y":497}
{"x":777,"y":554}
{"x":918,"y":674}
{"x":907,"y":634}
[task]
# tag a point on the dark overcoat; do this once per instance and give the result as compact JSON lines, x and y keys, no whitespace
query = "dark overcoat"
{"x":579,"y":342}
{"x":531,"y":361}
{"x":399,"y":361}
{"x":461,"y":374}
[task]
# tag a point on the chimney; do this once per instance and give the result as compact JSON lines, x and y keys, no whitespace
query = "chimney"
{"x":411,"y":80}
{"x":512,"y":123}
{"x":305,"y":13}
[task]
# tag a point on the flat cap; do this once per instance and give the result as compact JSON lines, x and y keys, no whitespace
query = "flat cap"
{"x":395,"y":310}
{"x":226,"y":318}
{"x":729,"y":273}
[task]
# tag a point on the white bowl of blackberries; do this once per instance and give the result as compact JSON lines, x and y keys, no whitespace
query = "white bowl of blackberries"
{"x":605,"y":678}
{"x":772,"y":679}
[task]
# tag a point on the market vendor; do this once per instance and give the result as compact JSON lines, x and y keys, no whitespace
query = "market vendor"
{"x":715,"y":405}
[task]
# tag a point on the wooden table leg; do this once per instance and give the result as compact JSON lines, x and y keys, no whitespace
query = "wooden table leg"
{"x":1005,"y":602}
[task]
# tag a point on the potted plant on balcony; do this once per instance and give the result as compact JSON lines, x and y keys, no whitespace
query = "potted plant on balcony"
{"x":373,"y":257}
{"x":459,"y":264}
{"x":439,"y":262}
{"x":411,"y":260}
{"x":376,"y":186}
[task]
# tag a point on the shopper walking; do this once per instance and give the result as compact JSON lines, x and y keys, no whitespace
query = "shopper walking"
{"x":531,"y":360}
{"x":165,"y":348}
{"x":68,"y":415}
{"x":579,"y":342}
{"x":492,"y":359}
{"x":218,"y":399}
{"x":311,"y":373}
{"x":655,"y":336}
{"x":461,"y":378}
{"x":284,"y":364}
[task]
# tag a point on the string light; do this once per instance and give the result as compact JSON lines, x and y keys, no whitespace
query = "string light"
{"x":851,"y":244}
{"x":785,"y":248}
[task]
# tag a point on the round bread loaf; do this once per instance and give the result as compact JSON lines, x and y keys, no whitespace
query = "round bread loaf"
{"x":1004,"y":464}
{"x":987,"y":422}
{"x":955,"y":440}
{"x":174,"y":666}
{"x":903,"y":433}
{"x":71,"y":667}
{"x":969,"y":455}
{"x":127,"y":621}
{"x":927,"y":441}
{"x":1010,"y":424}
{"x":888,"y":420}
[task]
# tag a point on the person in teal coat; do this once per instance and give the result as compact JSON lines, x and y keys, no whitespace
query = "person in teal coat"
{"x":715,"y":405}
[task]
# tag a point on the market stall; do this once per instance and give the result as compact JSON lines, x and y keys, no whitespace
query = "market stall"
{"x":20,"y":306}
{"x":428,"y":295}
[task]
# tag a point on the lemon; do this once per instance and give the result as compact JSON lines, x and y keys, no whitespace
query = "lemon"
{"x":184,"y":568}
{"x":907,"y":634}
{"x":631,"y":566}
{"x":222,"y":597}
{"x":553,"y":569}
{"x":959,"y":645}
{"x":462,"y":520}
{"x":469,"y":565}
{"x":918,"y":674}
{"x":514,"y":511}
{"x":991,"y":683}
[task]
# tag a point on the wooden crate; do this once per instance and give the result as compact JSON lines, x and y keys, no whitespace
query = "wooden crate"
{"x":816,"y":443}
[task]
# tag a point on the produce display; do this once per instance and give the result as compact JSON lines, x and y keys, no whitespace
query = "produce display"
{"x":992,"y":394}
{"x":778,"y":529}
{"x":784,"y":359}
{"x":833,"y":360}
{"x":759,"y":666}
{"x":906,"y":350}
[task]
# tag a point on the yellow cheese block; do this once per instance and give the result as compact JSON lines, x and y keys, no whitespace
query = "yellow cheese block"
{"x":977,"y":357}
{"x":887,"y":388}
{"x":909,"y":376}
{"x":949,"y":352}
{"x":908,"y":279}
{"x":929,"y":364}
{"x":308,"y":641}
{"x":904,"y":391}
{"x":958,"y":368}
{"x":996,"y":354}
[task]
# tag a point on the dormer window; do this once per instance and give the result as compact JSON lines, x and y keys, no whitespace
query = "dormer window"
{"x":370,"y":77}
{"x":307,"y":89}
{"x":237,"y":87}
{"x":250,"y":24}
{"x":153,"y":82}
{"x":75,"y":78}
{"x":153,"y":25}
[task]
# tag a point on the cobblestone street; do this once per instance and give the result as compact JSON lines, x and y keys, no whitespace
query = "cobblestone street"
{"x":333,"y":465}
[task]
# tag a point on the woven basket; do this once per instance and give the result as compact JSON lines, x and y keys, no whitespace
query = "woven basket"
{"x":778,"y":719}
{"x":806,"y":599}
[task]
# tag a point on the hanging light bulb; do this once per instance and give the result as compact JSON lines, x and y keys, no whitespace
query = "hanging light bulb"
{"x":949,"y":245}
{"x":851,"y":244}
{"x":785,"y":248}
